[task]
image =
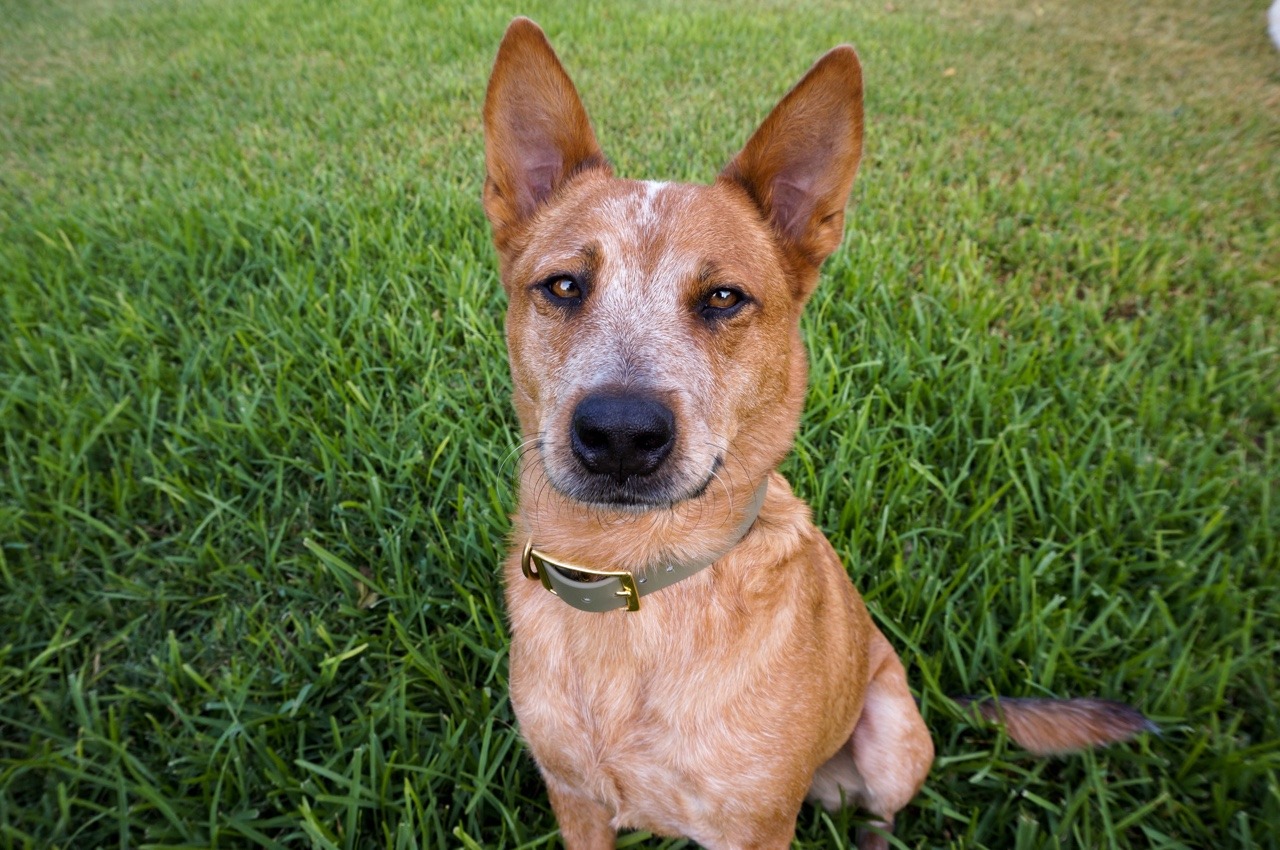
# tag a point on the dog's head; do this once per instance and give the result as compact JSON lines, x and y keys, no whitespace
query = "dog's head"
{"x":653,"y":328}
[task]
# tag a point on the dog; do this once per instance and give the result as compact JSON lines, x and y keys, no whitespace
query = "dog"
{"x":689,"y":656}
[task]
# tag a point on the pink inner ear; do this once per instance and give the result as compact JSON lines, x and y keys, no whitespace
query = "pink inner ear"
{"x":792,"y":206}
{"x":540,"y":170}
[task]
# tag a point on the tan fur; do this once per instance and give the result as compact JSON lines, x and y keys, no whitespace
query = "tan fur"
{"x":714,"y":710}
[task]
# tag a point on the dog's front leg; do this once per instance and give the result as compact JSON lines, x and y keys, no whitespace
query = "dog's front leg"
{"x":584,"y":823}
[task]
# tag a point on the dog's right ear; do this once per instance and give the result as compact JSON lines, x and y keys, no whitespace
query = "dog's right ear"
{"x":536,"y":132}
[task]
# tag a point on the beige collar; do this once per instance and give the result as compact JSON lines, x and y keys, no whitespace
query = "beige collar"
{"x":610,"y":590}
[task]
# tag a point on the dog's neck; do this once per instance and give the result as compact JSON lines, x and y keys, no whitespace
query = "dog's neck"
{"x":598,"y":591}
{"x":602,"y":590}
{"x":593,"y":541}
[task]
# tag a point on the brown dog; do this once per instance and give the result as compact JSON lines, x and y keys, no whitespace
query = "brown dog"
{"x":689,"y":656}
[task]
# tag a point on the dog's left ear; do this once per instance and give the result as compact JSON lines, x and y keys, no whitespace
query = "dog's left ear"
{"x":799,"y":166}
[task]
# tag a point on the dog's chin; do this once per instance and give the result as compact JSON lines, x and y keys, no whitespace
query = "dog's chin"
{"x":636,"y":495}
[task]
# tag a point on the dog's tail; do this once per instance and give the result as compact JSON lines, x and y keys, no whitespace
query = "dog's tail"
{"x":1049,"y":727}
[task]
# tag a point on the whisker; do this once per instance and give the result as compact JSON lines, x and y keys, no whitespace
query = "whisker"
{"x":728,"y":495}
{"x":518,"y":451}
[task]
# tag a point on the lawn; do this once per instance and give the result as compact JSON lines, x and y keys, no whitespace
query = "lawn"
{"x":258,"y":448}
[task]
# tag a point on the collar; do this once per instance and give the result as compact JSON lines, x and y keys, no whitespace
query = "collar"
{"x":610,"y":590}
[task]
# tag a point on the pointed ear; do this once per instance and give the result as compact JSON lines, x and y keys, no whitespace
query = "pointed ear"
{"x":799,"y":166}
{"x":536,"y":133}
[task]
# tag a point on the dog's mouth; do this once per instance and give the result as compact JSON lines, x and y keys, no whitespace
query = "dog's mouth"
{"x":634,"y":493}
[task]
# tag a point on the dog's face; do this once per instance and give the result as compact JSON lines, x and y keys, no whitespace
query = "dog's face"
{"x":653,"y":327}
{"x":650,"y":331}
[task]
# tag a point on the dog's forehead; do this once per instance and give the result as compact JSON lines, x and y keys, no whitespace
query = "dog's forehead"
{"x":645,"y":247}
{"x":650,"y":206}
{"x":679,"y":217}
{"x":650,"y":227}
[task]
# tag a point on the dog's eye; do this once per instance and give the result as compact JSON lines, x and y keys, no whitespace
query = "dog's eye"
{"x":722,"y":303}
{"x":565,"y":288}
{"x":724,"y":298}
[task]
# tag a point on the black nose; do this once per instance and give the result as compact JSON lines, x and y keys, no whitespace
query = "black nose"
{"x":622,"y":435}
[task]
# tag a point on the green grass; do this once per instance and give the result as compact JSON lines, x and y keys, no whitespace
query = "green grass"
{"x":258,"y":445}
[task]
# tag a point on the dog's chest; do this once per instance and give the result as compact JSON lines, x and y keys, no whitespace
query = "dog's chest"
{"x":653,"y":748}
{"x":665,"y":725}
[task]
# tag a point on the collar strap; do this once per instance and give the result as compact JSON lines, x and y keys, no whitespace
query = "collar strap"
{"x":610,"y":590}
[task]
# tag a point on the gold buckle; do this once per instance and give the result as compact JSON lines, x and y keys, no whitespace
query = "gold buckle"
{"x":534,"y":566}
{"x":629,"y":589}
{"x":527,"y":564}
